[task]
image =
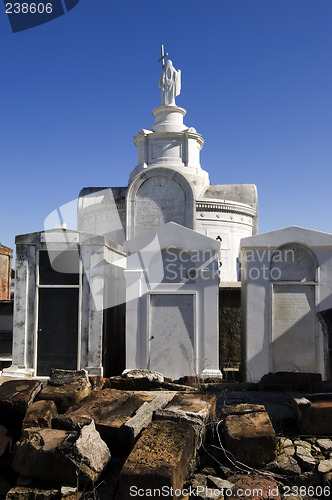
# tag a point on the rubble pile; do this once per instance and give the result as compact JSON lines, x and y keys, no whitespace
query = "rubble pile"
{"x":80,"y":437}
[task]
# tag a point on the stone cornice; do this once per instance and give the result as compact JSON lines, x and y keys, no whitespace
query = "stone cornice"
{"x":188,"y":134}
{"x":100,"y":209}
{"x":225,"y":206}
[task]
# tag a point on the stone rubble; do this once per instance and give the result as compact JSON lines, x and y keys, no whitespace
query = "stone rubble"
{"x":66,"y":388}
{"x":40,"y":414}
{"x":15,"y":398}
{"x":118,"y":415}
{"x":112,"y":439}
{"x":56,"y":455}
{"x":249,"y":435}
{"x":160,"y":459}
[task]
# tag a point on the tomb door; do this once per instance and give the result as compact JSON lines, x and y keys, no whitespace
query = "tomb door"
{"x":58,"y":296}
{"x":171,"y":336}
{"x":293,"y":342}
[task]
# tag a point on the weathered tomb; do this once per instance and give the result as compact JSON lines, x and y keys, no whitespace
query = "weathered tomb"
{"x":77,"y":320}
{"x":286,"y":282}
{"x":172,"y":291}
{"x":69,"y":287}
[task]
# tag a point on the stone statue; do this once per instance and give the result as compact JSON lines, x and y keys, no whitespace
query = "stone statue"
{"x":170,"y":84}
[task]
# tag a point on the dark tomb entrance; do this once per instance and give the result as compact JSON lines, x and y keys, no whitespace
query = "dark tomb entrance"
{"x":58,"y":311}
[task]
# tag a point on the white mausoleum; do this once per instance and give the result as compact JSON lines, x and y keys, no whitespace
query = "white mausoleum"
{"x":286,"y":285}
{"x":168,"y":184}
{"x":157,"y":249}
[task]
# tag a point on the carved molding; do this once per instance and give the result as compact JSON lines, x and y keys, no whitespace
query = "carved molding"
{"x":225,"y":207}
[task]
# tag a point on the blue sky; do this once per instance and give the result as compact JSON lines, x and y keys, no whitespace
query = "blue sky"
{"x":256,"y":83}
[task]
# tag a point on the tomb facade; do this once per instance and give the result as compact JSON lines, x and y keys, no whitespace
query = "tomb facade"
{"x":286,"y":283}
{"x":172,"y":286}
{"x":68,"y":286}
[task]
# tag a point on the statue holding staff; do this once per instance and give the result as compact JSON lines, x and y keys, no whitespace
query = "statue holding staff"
{"x":169,"y":82}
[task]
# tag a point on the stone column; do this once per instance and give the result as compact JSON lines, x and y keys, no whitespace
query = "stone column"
{"x":24,"y":325}
{"x":96,"y":310}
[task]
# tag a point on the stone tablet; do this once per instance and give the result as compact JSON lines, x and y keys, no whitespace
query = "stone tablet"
{"x":293,"y":328}
{"x":159,"y":200}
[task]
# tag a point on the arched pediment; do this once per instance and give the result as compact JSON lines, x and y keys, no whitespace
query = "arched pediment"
{"x":293,"y":262}
{"x":158,"y":196}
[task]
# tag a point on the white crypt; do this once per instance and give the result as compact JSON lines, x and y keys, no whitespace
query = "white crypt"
{"x":118,"y":313}
{"x":286,"y":290}
{"x":142,"y":281}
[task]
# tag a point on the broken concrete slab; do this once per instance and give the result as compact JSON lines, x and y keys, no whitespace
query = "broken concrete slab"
{"x":195,"y":408}
{"x":197,"y":404}
{"x":160,"y":459}
{"x":114,"y":413}
{"x":140,"y":384}
{"x":196,"y":381}
{"x":314,"y":418}
{"x":249,"y":437}
{"x":242,"y":409}
{"x":137,"y":380}
{"x":15,"y":398}
{"x":66,"y":388}
{"x":40,"y":414}
{"x":278,"y":406}
{"x":149,"y":375}
{"x":144,"y":414}
{"x":61,"y":456}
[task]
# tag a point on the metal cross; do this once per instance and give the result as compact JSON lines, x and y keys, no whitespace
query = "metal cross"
{"x":163,"y":55}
